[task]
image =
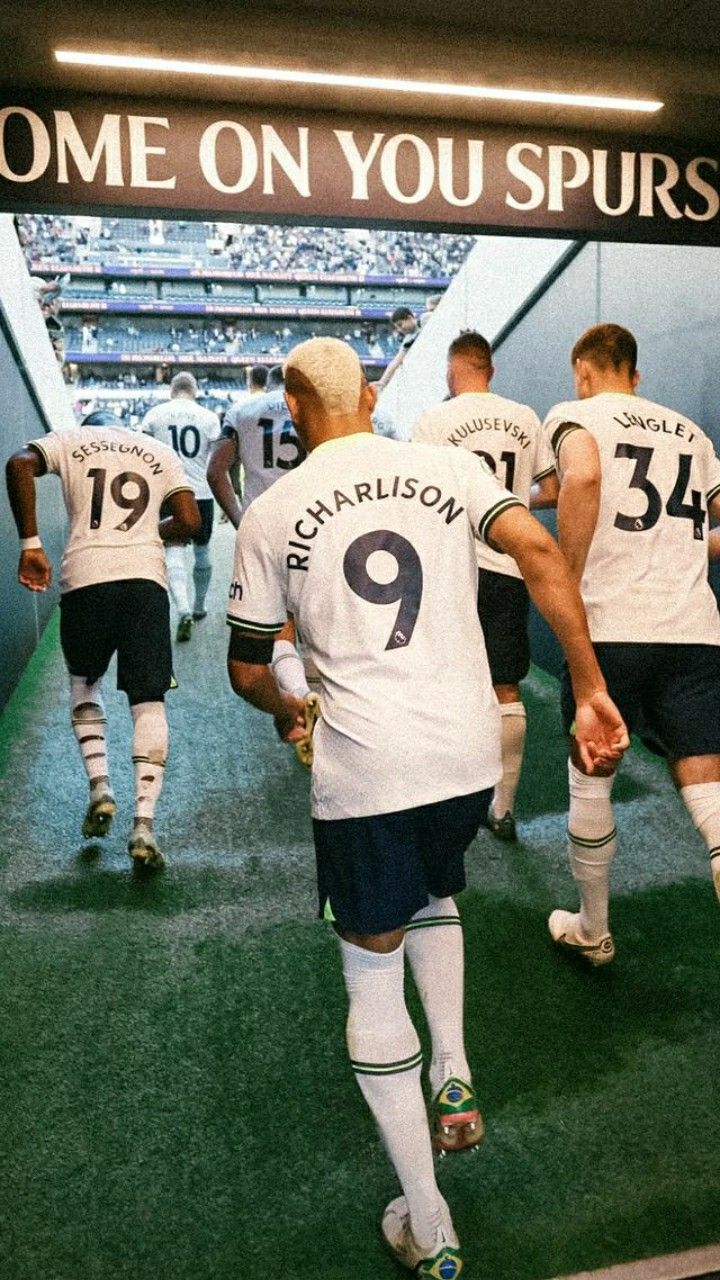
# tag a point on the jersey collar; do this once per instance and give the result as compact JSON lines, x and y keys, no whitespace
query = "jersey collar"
{"x":340,"y":441}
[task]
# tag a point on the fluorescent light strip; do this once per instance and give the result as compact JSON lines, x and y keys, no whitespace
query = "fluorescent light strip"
{"x":284,"y":75}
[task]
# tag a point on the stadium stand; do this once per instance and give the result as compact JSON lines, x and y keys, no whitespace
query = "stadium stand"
{"x":144,"y":296}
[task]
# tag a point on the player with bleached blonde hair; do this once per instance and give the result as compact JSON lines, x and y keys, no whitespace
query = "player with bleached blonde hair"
{"x":370,"y":545}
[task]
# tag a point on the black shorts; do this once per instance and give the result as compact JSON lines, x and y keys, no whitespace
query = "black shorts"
{"x":503,"y":606}
{"x":376,"y":872}
{"x":207,"y":512}
{"x":673,"y":690}
{"x":206,"y":507}
{"x":130,"y":617}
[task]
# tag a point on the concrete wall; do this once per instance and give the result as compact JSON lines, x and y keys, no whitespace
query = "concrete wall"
{"x":668,"y":297}
{"x":492,"y":283}
{"x":34,"y":399}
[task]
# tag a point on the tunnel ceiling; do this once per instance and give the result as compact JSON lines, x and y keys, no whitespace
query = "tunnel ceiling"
{"x":647,"y":48}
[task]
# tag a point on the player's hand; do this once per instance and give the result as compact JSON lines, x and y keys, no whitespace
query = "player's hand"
{"x":600,"y":733}
{"x":34,"y":570}
{"x":291,"y":724}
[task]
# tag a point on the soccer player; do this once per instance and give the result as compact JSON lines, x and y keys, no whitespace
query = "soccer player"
{"x":637,"y":483}
{"x":370,"y":545}
{"x":259,"y":434}
{"x":190,"y":430}
{"x":113,"y":594}
{"x":508,"y":438}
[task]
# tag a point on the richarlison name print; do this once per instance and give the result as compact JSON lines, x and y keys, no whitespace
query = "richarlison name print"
{"x":314,"y":517}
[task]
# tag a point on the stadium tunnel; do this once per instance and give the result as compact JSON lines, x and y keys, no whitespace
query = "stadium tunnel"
{"x":636,"y":242}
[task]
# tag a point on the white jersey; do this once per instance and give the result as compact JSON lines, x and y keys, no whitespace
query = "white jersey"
{"x":188,"y":428}
{"x":646,"y":576}
{"x":507,"y":436}
{"x":384,"y":424}
{"x":268,"y":446}
{"x":114,"y":484}
{"x":370,"y":546}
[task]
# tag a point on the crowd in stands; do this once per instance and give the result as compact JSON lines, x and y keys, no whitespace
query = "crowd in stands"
{"x":177,"y":335}
{"x":242,"y":247}
{"x":50,"y":240}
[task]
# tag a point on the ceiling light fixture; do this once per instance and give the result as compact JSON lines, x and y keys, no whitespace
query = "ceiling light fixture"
{"x":285,"y":75}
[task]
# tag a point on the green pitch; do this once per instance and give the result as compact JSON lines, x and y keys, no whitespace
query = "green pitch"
{"x":176,"y":1099}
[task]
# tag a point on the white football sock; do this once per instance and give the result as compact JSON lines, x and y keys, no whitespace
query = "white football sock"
{"x":202,"y":573}
{"x":288,"y":669}
{"x":87,"y":713}
{"x":385,"y":1056}
{"x":592,"y":845}
{"x":434,"y":946}
{"x":513,"y":729}
{"x":149,"y":753}
{"x":702,"y":800}
{"x":176,"y":561}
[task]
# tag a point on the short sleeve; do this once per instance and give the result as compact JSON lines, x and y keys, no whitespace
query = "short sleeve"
{"x":487,"y":498}
{"x":544,"y":464}
{"x":50,"y":448}
{"x":257,"y":591}
{"x":176,"y":478}
{"x":556,"y":428}
{"x":214,"y":428}
{"x":229,"y":428}
{"x":713,"y":473}
{"x":146,"y":425}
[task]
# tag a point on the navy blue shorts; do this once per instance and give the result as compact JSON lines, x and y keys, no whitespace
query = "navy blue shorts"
{"x":131,"y":618}
{"x":503,"y":607}
{"x":673,"y":690}
{"x":376,"y":872}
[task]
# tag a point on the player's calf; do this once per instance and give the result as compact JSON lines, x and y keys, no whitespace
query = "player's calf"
{"x":87,"y":714}
{"x":150,"y":744}
{"x":592,"y":844}
{"x":702,"y":801}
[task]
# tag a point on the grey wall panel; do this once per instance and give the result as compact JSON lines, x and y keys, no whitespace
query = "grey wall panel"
{"x":669,"y":297}
{"x":23,"y":614}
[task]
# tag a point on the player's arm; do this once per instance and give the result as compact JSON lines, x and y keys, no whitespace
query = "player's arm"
{"x":184,"y":521}
{"x":257,"y":613}
{"x":391,"y":369}
{"x":600,"y":732}
{"x":223,"y":456}
{"x":252,"y":679}
{"x":544,"y":492}
{"x":21,"y":471}
{"x":714,"y":536}
{"x":578,"y":501}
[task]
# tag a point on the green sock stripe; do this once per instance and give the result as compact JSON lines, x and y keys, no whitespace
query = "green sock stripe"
{"x":387,"y":1068}
{"x":430,"y":922}
{"x":592,"y":844}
